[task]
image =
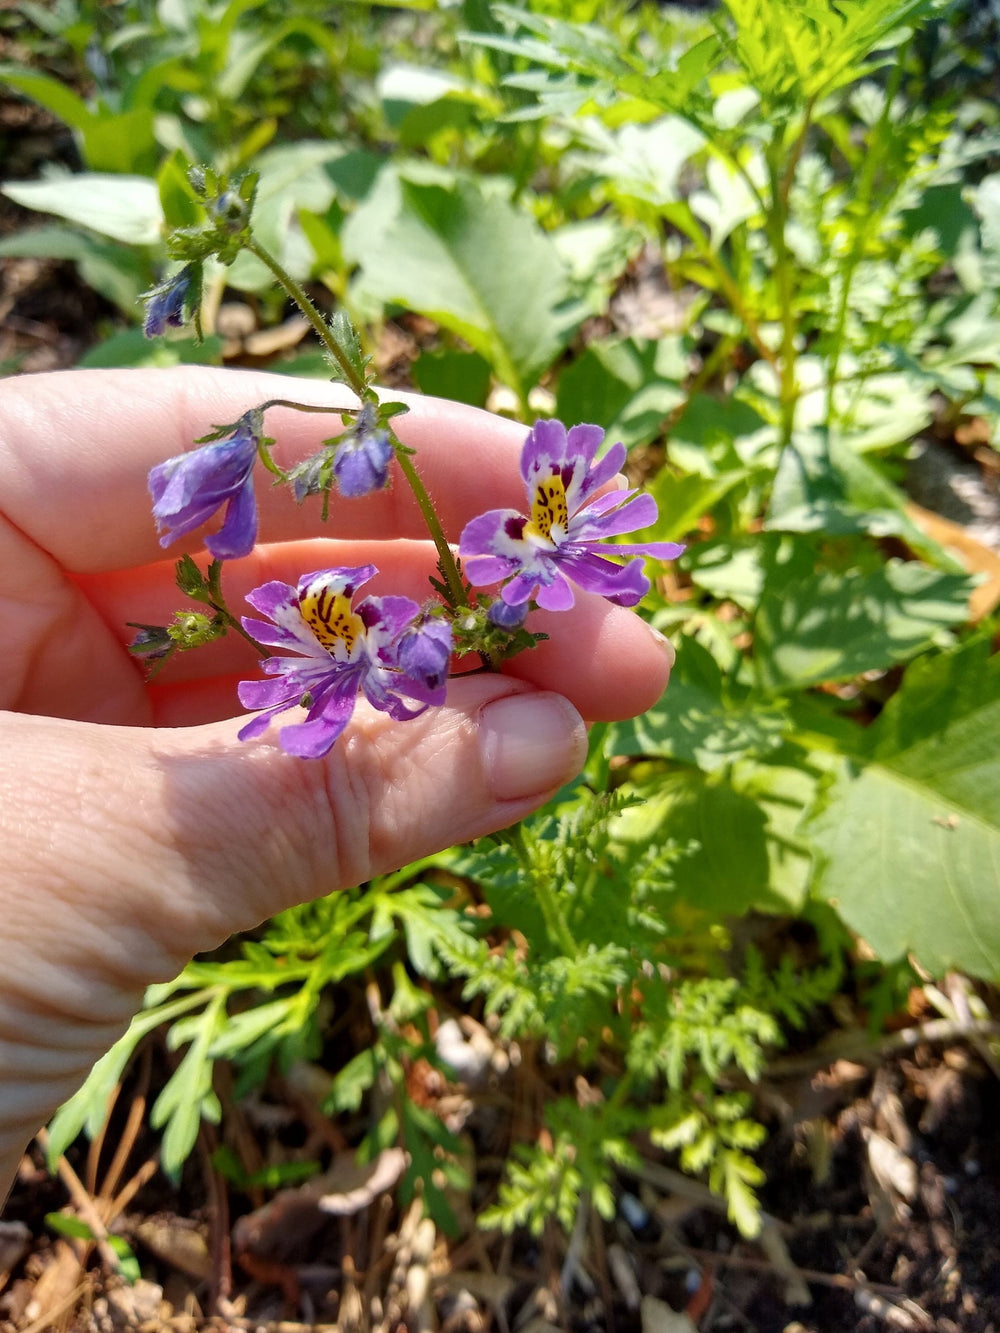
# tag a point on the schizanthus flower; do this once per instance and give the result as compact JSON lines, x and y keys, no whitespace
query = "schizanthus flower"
{"x":382,"y":647}
{"x":187,"y":490}
{"x":358,"y":460}
{"x":361,"y":460}
{"x":560,"y":541}
{"x":168,"y":305}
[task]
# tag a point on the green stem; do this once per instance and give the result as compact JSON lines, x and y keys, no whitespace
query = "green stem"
{"x":301,"y":298}
{"x":551,"y":909}
{"x":870,"y":218}
{"x":449,"y":568}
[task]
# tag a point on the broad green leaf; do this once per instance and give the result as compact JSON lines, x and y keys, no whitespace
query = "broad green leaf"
{"x":118,"y":273}
{"x":702,"y":719}
{"x":292,"y":177}
{"x":830,"y":626}
{"x":823,"y":486}
{"x":731,"y":570}
{"x":627,"y":386}
{"x":683,"y":500}
{"x":736,"y":829}
{"x":132,"y":348}
{"x":50,"y":93}
{"x":910,"y":836}
{"x":469,"y":260}
{"x":645,"y":161}
{"x":717,"y":435}
{"x":462,"y":377}
{"x":126,"y":208}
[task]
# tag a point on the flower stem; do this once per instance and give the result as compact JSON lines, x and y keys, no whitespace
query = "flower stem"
{"x":299,"y":295}
{"x":449,"y":568}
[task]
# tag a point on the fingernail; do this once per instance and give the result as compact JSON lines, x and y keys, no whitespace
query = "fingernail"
{"x":663,"y":642}
{"x":530,"y":743}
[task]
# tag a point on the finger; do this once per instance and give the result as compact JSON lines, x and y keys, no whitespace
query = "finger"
{"x":76,"y":448}
{"x":228,"y":835}
{"x":604,"y":658}
{"x":233,"y":832}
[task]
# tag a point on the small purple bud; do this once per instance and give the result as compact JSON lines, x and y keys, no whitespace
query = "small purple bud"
{"x":505,"y":616}
{"x":361,"y":459}
{"x":165,"y":304}
{"x":424,"y":652}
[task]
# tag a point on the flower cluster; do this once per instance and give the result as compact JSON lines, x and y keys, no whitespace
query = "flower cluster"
{"x":329,"y":649}
{"x":382,"y":647}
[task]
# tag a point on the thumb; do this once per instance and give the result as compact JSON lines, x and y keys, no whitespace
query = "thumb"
{"x":128,"y":850}
{"x":282,"y":830}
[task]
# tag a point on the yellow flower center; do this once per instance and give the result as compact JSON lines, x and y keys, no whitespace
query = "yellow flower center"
{"x":328,"y":614}
{"x":549,"y":508}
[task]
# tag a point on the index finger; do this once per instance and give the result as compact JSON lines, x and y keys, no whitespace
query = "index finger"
{"x":76,"y":447}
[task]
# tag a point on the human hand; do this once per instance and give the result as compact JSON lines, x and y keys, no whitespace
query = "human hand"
{"x":137,"y":830}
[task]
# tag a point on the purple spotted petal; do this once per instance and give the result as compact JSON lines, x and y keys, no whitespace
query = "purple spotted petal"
{"x":379,"y":647}
{"x":561,"y":540}
{"x":324,"y":724}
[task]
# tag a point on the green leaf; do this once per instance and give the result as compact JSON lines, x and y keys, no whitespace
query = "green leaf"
{"x":470,"y":260}
{"x":293,"y":177}
{"x":119,"y":274}
{"x":188,"y":1096}
{"x":829,"y":625}
{"x":732,"y":840}
{"x":126,"y":208}
{"x":628,"y":386}
{"x":461,"y":377}
{"x":177,"y":199}
{"x":87,"y":1108}
{"x":352,"y":1082}
{"x":911,"y":834}
{"x":133,"y":348}
{"x":49,"y":93}
{"x":702,"y":719}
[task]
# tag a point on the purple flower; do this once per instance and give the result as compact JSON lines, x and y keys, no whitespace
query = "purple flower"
{"x":382,"y":647}
{"x":165,"y":304}
{"x":188,"y":489}
{"x":361,"y":459}
{"x":561,"y":540}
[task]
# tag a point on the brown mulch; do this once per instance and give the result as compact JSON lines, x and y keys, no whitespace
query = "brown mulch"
{"x":883,"y":1212}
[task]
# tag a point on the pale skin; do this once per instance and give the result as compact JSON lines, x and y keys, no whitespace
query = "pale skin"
{"x":136,"y":829}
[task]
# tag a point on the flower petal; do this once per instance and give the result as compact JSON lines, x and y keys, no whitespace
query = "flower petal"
{"x":238,"y":534}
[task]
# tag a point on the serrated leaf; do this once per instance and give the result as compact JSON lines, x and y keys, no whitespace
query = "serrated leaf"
{"x":628,"y":386}
{"x":187,"y":1096}
{"x":470,"y":260}
{"x":911,"y":832}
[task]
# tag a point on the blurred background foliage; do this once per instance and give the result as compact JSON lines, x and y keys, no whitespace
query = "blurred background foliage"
{"x":759,"y":244}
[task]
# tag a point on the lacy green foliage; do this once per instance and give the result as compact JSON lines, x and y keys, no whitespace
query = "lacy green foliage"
{"x":271,"y":1005}
{"x":625,"y":1002}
